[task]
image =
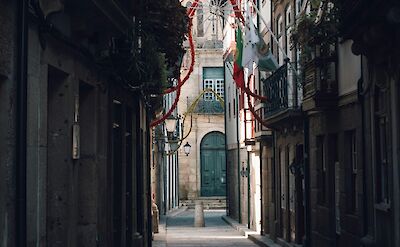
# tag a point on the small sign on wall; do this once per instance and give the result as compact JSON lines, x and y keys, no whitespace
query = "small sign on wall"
{"x":75,"y":141}
{"x":76,"y":149}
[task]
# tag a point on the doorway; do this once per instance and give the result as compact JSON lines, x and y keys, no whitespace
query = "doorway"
{"x":213,"y":165}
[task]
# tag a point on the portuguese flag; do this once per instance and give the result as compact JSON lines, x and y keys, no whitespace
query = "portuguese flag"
{"x":238,"y":72}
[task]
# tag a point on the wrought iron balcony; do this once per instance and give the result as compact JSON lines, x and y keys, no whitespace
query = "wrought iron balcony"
{"x":282,"y":92}
{"x":208,"y":107}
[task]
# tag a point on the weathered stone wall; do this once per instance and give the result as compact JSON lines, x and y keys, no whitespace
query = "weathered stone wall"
{"x":285,"y":152}
{"x":333,"y":125}
{"x":189,"y":166}
{"x":8,"y":111}
{"x":267,"y":181}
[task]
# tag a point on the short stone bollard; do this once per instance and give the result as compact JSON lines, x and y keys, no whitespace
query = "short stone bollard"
{"x":199,"y":214}
{"x":156,"y":217}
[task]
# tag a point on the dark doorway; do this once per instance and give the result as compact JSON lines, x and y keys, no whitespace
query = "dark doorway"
{"x":213,"y":165}
{"x":87,"y":169}
{"x":117,"y":171}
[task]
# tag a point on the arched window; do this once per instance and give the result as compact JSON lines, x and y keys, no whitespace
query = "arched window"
{"x":200,"y":21}
{"x":280,"y":28}
{"x":289,"y":18}
{"x":298,"y":6}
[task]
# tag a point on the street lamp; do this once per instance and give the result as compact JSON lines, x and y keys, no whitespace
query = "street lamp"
{"x":186,"y":148}
{"x":173,"y":144}
{"x":170,"y":123}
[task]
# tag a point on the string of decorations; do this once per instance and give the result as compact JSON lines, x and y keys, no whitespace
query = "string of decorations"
{"x":252,"y":110}
{"x":190,"y":111}
{"x":192,"y":61}
{"x":191,"y":11}
{"x":246,"y":88}
{"x":177,"y":88}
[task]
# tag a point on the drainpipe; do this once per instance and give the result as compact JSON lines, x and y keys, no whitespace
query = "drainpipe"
{"x":148,"y":180}
{"x":261,"y":146}
{"x":307,"y":187}
{"x":238,"y":157}
{"x":226,"y":146}
{"x":165,"y":181}
{"x":274,"y":185}
{"x":21,"y":122}
{"x":248,"y":189}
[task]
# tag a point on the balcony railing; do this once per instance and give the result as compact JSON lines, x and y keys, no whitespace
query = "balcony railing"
{"x":282,"y":91}
{"x":208,"y":107}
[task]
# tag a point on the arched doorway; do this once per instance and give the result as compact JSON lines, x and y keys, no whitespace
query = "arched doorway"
{"x":213,"y":165}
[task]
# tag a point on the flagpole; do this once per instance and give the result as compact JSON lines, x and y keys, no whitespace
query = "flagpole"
{"x":269,"y":30}
{"x":276,"y":41}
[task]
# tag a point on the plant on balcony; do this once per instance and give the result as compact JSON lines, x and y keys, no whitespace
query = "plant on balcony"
{"x":316,"y":32}
{"x":166,"y":22}
{"x":150,"y":56}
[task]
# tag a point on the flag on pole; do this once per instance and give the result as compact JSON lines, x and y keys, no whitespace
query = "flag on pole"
{"x":266,"y":60}
{"x":251,"y":38}
{"x":238,"y":73}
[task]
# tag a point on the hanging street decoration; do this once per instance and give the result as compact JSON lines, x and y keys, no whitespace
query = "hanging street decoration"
{"x":238,"y":73}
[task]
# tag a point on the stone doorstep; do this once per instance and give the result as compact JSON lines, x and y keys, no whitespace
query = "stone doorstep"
{"x":208,"y":203}
{"x":254,"y":236}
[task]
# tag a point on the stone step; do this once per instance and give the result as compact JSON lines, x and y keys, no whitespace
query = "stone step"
{"x":207,"y":203}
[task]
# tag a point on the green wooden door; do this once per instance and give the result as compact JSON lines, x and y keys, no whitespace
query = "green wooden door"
{"x":213,"y":166}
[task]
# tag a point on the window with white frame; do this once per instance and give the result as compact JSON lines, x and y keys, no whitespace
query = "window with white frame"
{"x":288,"y":23}
{"x":299,"y":3}
{"x":280,"y":28}
{"x":213,"y":78}
{"x":288,"y":16}
{"x":200,"y":21}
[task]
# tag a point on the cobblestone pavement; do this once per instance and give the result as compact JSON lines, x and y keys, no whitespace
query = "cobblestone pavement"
{"x":181,"y":233}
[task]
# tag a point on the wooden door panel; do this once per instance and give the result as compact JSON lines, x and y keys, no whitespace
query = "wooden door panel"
{"x":213,"y":166}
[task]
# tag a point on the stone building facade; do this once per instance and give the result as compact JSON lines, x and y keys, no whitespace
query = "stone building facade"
{"x":202,"y":173}
{"x":243,"y":152}
{"x":328,"y":160}
{"x":283,"y":209}
{"x":342,"y":187}
{"x":75,"y":168}
{"x":374,"y":37}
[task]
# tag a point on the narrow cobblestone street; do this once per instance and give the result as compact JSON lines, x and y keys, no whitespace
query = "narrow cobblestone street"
{"x":189,"y":123}
{"x":180,"y":232}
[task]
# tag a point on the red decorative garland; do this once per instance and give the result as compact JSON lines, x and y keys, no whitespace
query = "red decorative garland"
{"x":259,"y":119}
{"x":237,"y":11}
{"x":192,"y":54}
{"x":174,"y":105}
{"x":177,"y":88}
{"x":249,"y":92}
